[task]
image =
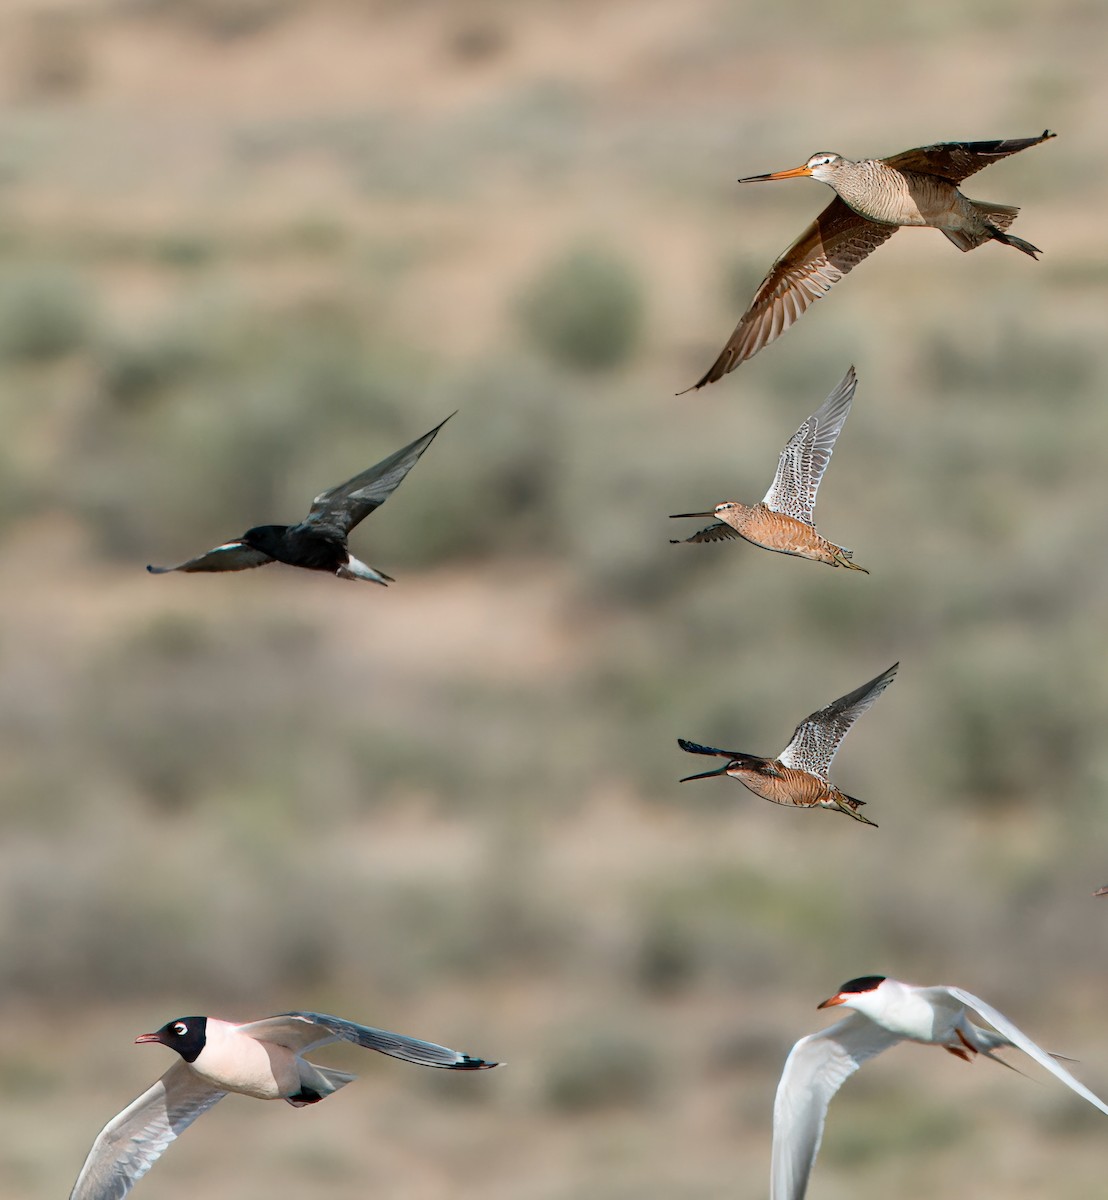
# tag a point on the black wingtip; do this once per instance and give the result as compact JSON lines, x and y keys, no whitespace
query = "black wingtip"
{"x":476,"y":1064}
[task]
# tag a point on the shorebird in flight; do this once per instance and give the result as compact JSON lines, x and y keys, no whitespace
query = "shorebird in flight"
{"x":784,"y":520}
{"x":318,"y":543}
{"x":885,"y":1012}
{"x":874,"y":198}
{"x":260,"y":1059}
{"x":798,"y":775}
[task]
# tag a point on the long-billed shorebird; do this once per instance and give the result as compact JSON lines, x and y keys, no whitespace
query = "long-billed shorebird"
{"x":784,"y":520}
{"x":263,"y":1059}
{"x":874,"y":198}
{"x":318,"y":543}
{"x":885,"y":1012}
{"x":798,"y":775}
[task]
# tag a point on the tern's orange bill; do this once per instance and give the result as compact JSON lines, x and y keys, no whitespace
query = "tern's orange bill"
{"x":839,"y":999}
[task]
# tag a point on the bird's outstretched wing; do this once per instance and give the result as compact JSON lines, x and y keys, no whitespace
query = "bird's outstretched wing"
{"x":231,"y":556}
{"x":129,"y":1145}
{"x":302,"y":1031}
{"x":339,"y":509}
{"x":817,"y":1066}
{"x":959,"y":160}
{"x":836,"y":242}
{"x":817,"y":737}
{"x":719,"y":532}
{"x":696,"y":748}
{"x":1020,"y":1040}
{"x":807,"y":453}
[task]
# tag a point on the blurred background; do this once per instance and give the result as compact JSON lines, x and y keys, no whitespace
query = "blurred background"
{"x":249,"y":247}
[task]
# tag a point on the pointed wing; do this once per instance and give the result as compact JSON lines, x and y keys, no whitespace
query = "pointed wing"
{"x":836,"y":241}
{"x":1020,"y":1039}
{"x":696,"y":748}
{"x":719,"y":532}
{"x":959,"y":160}
{"x":340,"y":508}
{"x":817,"y":737}
{"x":817,"y":1066}
{"x":807,"y":453}
{"x":303,"y":1031}
{"x":129,"y":1145}
{"x":231,"y":556}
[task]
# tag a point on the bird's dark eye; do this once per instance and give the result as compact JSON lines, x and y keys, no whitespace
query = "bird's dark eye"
{"x":180,"y":1029}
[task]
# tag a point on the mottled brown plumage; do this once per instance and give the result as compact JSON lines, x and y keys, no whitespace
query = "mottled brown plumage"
{"x":798,"y":776}
{"x":784,"y":521}
{"x":875,"y":197}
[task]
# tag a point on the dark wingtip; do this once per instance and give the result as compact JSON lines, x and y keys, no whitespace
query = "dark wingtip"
{"x":476,"y":1064}
{"x":156,"y":570}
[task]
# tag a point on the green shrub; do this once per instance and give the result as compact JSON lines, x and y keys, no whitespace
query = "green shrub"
{"x":585,"y":310}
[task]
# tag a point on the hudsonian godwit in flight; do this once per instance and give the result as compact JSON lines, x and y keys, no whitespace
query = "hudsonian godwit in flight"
{"x":798,"y":775}
{"x":318,"y":543}
{"x":874,"y":197}
{"x":784,"y":520}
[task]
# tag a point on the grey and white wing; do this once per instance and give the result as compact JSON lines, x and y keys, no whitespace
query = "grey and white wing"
{"x":340,"y":508}
{"x":719,"y":532}
{"x":817,"y":737}
{"x":231,"y":556}
{"x":129,"y":1145}
{"x":807,"y":453}
{"x":817,"y":1066}
{"x":302,"y":1031}
{"x":1019,"y":1039}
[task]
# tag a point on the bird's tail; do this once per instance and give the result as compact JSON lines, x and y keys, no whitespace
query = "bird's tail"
{"x":997,"y":219}
{"x":317,"y":1083}
{"x":850,"y":806}
{"x":354,"y":568}
{"x":845,"y":558}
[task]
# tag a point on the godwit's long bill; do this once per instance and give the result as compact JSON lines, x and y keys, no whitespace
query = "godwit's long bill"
{"x":874,"y":198}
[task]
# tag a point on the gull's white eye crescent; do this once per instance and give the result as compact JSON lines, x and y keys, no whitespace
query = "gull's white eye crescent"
{"x":180,"y":1029}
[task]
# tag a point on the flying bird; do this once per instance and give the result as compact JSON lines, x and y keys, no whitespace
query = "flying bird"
{"x":318,"y":543}
{"x":798,"y":775}
{"x":784,"y":520}
{"x":874,"y":197}
{"x":260,"y":1059}
{"x":886,"y":1011}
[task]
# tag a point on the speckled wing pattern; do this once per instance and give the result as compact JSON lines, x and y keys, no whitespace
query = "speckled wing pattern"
{"x":340,"y":508}
{"x":807,"y":453}
{"x":719,"y":532}
{"x":129,"y":1145}
{"x":836,"y":241}
{"x":817,"y":737}
{"x":959,"y":160}
{"x":231,"y":556}
{"x":304,"y":1031}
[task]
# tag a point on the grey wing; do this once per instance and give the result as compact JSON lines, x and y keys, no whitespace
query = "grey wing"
{"x":231,"y":556}
{"x":807,"y":453}
{"x":1020,"y":1040}
{"x":719,"y":532}
{"x":817,"y":737}
{"x":129,"y":1145}
{"x":836,"y":241}
{"x":340,"y":508}
{"x":302,"y":1031}
{"x":959,"y":160}
{"x":817,"y":1066}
